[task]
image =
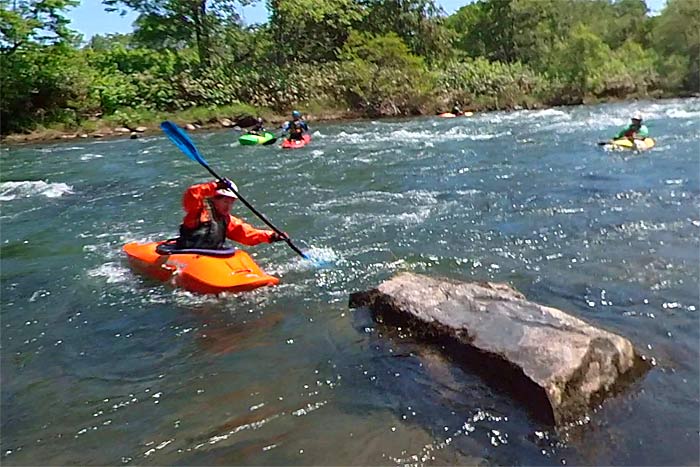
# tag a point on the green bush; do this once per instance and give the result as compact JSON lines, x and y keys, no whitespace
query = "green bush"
{"x":490,"y":84}
{"x":380,"y":76}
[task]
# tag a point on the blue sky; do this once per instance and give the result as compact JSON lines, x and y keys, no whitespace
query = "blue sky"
{"x":90,"y":18}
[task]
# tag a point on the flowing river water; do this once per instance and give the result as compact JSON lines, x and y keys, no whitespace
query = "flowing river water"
{"x":103,"y":367}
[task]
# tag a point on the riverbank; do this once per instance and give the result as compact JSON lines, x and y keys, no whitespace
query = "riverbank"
{"x":135,"y":124}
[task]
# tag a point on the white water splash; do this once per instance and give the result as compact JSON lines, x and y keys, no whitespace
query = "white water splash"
{"x":28,"y":189}
{"x":87,"y":157}
{"x":418,"y":136}
{"x":316,"y":256}
{"x":548,"y":113}
{"x":680,"y":113}
{"x":112,"y":272}
{"x":52,"y":149}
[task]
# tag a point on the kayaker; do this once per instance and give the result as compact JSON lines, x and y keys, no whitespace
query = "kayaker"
{"x":634,"y":130}
{"x":297,"y":127}
{"x":456,"y":109}
{"x":258,"y":128}
{"x":208,"y":221}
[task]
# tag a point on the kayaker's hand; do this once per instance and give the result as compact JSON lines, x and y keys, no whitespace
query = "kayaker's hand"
{"x":223,"y":183}
{"x":279,"y":238}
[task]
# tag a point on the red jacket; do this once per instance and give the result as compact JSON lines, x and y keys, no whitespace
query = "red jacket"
{"x":237,"y":230}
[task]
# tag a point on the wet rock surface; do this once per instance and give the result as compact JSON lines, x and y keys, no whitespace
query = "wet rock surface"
{"x":558,"y":365}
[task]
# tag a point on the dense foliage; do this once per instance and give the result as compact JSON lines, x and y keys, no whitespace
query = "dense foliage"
{"x":377,"y":57}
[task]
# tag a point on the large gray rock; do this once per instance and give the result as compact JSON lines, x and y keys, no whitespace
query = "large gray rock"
{"x":556,"y":363}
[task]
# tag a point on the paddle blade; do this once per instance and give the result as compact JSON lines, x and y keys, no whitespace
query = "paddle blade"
{"x":178,"y":136}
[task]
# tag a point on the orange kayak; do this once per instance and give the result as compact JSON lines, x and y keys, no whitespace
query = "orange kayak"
{"x":200,"y":271}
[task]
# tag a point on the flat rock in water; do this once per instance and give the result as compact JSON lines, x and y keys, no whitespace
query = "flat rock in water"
{"x":559,"y":365}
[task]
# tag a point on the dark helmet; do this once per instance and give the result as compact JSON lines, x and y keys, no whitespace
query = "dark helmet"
{"x":296,"y":114}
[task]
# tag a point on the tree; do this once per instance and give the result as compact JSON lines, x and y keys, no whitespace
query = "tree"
{"x":382,"y":77}
{"x":579,"y":61}
{"x":108,"y":41}
{"x":30,"y":23}
{"x":467,"y":26}
{"x":312,"y":30}
{"x":630,"y":19}
{"x":677,"y":37}
{"x":178,"y":23}
{"x":417,"y":22}
{"x":41,"y":74}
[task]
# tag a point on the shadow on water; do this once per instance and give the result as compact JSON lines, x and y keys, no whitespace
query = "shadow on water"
{"x":217,"y":336}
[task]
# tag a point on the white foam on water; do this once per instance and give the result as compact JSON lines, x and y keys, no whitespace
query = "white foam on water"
{"x":112,"y":272}
{"x":428,"y":137}
{"x":412,"y":218}
{"x":680,"y":113}
{"x":525,"y":115}
{"x":319,"y":255}
{"x":487,"y":136}
{"x":87,"y":157}
{"x":49,"y":150}
{"x":352,"y":138}
{"x":28,"y":189}
{"x":547,"y":113}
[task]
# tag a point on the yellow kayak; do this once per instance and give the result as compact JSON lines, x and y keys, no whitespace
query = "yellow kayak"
{"x":638,"y":144}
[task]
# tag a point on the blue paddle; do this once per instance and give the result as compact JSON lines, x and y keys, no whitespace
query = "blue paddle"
{"x":182,"y":141}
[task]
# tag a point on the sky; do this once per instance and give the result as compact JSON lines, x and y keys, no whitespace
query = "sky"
{"x":90,"y":18}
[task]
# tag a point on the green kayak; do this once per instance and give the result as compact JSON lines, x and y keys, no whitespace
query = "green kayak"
{"x":250,"y":140}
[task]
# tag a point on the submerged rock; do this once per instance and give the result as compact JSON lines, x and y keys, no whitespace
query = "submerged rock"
{"x":557,"y":364}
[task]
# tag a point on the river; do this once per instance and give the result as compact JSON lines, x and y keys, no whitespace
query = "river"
{"x":103,"y":367}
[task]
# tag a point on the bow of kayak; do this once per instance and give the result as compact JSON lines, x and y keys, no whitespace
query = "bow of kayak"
{"x":624,"y":143}
{"x":199,"y":271}
{"x":251,"y":140}
{"x":296,"y":143}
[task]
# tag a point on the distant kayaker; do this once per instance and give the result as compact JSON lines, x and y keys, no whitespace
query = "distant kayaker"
{"x":634,"y":130}
{"x":208,"y":221}
{"x":456,"y":109}
{"x":296,"y":127}
{"x":258,"y":128}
